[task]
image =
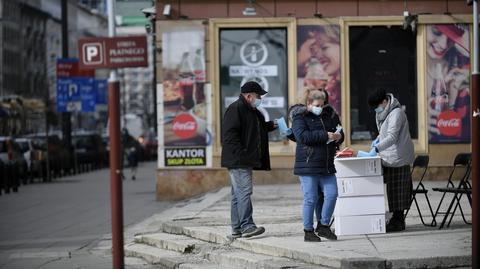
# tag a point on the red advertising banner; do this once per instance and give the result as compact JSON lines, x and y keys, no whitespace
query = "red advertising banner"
{"x":113,"y":52}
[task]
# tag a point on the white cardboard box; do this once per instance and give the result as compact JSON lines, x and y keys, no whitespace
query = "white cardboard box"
{"x":358,"y":166}
{"x":360,"y":205}
{"x":354,"y":225}
{"x":360,"y":186}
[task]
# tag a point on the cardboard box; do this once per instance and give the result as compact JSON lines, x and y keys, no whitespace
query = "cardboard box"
{"x":358,"y":166}
{"x":360,"y":205}
{"x":360,"y":186}
{"x":355,"y":225}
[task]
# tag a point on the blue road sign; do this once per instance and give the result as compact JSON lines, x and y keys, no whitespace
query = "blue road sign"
{"x":76,"y":94}
{"x":102,"y":91}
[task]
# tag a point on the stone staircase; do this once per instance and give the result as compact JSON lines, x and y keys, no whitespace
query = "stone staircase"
{"x":197,"y":248}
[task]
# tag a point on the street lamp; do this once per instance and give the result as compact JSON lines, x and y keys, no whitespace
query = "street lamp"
{"x":150,"y":13}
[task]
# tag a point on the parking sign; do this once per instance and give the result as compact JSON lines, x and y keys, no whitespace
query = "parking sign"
{"x":113,"y":52}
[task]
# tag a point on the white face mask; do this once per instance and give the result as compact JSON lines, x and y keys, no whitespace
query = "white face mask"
{"x":257,"y":102}
{"x":379,"y":109}
{"x":317,"y":110}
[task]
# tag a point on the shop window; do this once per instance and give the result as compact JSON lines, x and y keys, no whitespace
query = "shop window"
{"x":381,"y":58}
{"x":259,"y":55}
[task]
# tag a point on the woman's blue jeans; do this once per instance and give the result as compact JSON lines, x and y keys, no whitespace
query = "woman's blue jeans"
{"x":241,"y":207}
{"x":313,"y":187}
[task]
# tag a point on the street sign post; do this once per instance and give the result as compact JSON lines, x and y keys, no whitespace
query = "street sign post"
{"x":114,"y":52}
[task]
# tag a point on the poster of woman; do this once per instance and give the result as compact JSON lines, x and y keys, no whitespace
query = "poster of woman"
{"x":318,"y":60}
{"x":448,"y":83}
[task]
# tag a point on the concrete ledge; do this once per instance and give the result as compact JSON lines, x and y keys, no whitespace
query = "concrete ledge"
{"x":177,"y":184}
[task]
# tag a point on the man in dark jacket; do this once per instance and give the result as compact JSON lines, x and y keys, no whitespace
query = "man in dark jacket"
{"x":245,"y":148}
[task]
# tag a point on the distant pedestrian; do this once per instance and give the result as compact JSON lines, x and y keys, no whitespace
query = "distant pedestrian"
{"x":245,"y":148}
{"x":395,"y":147}
{"x":315,"y":130}
{"x":132,"y":157}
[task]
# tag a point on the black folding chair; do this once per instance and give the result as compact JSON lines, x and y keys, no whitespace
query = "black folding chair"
{"x":421,"y":162}
{"x":463,"y":187}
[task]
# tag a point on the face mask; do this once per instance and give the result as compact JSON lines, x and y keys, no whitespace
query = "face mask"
{"x":257,"y":102}
{"x":317,"y":110}
{"x":379,"y":109}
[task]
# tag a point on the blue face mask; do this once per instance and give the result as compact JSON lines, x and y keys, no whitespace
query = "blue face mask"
{"x":317,"y":110}
{"x":257,"y":102}
{"x":379,"y":109}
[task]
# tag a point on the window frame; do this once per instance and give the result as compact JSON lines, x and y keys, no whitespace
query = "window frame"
{"x":421,"y":143}
{"x":281,"y":148}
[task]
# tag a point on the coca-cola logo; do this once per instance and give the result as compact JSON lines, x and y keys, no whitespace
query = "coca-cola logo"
{"x":184,"y":125}
{"x":449,"y":123}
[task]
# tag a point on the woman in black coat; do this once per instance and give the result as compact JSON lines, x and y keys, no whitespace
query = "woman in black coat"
{"x":314,"y":127}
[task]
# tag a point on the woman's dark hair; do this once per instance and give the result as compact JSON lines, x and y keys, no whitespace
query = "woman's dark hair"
{"x":375,"y":98}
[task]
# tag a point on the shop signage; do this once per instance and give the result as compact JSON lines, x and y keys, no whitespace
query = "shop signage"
{"x":113,"y":52}
{"x":183,"y":139}
{"x":185,"y":157}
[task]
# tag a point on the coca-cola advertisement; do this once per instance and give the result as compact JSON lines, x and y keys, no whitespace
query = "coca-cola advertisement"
{"x":184,"y":104}
{"x":448,"y":83}
{"x":318,"y":61}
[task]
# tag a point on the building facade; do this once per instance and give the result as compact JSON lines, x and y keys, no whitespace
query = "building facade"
{"x":418,"y":50}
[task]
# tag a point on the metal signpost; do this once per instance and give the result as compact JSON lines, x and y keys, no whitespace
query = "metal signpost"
{"x":114,"y":52}
{"x":475,"y":141}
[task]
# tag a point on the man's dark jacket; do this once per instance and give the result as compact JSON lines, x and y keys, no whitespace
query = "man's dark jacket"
{"x":245,"y":137}
{"x":313,"y":155}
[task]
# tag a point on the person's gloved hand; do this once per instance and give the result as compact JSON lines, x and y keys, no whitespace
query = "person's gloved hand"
{"x":362,"y":153}
{"x":287,"y":132}
{"x":375,"y":142}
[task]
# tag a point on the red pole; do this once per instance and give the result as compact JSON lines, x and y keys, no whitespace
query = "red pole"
{"x":475,"y":169}
{"x":115,"y":174}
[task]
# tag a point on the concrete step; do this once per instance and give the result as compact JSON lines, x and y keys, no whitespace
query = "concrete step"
{"x":178,"y":243}
{"x":203,"y":265}
{"x":158,"y":247}
{"x":154,"y":255}
{"x":247,"y":260}
{"x":294,"y":248}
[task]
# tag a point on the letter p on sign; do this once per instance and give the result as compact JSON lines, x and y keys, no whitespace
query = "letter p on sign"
{"x":92,"y":53}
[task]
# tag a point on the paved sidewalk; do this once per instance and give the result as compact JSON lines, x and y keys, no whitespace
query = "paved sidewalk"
{"x":278,"y":208}
{"x":56,"y":224}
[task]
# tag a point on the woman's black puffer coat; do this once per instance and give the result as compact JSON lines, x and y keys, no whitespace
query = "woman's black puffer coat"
{"x":313,"y":155}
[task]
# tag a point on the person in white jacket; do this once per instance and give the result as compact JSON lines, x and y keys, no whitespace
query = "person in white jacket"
{"x":395,"y":147}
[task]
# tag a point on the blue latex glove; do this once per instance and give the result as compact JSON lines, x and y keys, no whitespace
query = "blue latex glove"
{"x":375,"y":142}
{"x":287,"y":132}
{"x":362,"y":153}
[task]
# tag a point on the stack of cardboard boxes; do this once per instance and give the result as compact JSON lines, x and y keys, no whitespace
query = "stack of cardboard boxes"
{"x":361,"y":200}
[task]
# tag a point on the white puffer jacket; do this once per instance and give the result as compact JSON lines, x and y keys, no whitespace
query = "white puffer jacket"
{"x":395,"y":146}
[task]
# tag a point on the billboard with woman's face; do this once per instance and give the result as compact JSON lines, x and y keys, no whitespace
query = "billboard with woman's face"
{"x":448,"y":83}
{"x":318,"y":60}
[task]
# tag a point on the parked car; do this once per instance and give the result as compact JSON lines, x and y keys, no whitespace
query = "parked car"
{"x":14,"y":164}
{"x":89,"y":150}
{"x":60,"y":159}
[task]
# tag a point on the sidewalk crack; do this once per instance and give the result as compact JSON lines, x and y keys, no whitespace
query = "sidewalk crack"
{"x":373,"y":244}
